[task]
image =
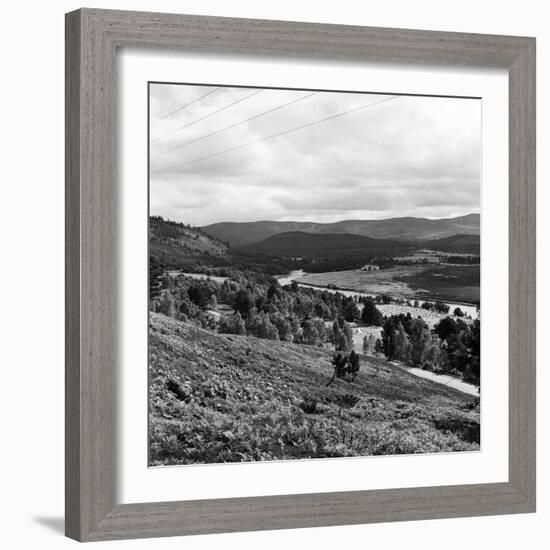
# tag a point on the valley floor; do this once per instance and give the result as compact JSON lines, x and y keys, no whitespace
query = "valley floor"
{"x":449,"y":283}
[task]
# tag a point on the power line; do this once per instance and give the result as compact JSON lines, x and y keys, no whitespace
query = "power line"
{"x":208,"y":115}
{"x":187,"y":105}
{"x":269,"y":111}
{"x":307,"y":125}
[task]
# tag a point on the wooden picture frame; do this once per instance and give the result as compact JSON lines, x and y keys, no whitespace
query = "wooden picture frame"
{"x":92,"y":39}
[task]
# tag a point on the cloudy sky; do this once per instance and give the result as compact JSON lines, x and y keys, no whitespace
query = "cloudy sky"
{"x":309,"y":156}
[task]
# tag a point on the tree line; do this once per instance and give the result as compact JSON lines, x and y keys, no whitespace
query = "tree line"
{"x":452,"y":346}
{"x":264,"y":310}
{"x":317,"y":318}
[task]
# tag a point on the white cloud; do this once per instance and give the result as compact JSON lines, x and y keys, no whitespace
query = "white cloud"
{"x":410,"y":156}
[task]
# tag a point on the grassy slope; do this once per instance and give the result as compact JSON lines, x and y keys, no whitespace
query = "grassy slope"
{"x":238,"y":398}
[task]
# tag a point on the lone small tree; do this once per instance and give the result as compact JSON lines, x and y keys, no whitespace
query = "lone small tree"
{"x":366,"y":344}
{"x":345,"y":401}
{"x":340,"y":367}
{"x":344,"y":365}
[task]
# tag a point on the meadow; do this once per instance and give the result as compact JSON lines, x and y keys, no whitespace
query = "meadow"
{"x":422,"y":282}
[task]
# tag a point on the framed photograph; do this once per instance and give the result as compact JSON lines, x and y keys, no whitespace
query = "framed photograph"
{"x":300,"y":275}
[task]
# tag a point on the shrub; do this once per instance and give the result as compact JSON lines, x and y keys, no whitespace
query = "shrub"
{"x":309,"y":405}
{"x":440,"y":307}
{"x":232,"y":324}
{"x":173,"y":387}
{"x":167,"y":304}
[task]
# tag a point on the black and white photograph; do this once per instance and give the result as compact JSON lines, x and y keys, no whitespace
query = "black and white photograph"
{"x":314,"y":274}
{"x":271,"y":275}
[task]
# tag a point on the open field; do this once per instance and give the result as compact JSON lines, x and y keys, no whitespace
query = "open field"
{"x":228,"y":398}
{"x":371,"y":282}
{"x":444,"y":282}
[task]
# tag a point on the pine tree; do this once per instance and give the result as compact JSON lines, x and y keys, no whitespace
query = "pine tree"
{"x":232,"y":324}
{"x":420,"y":335}
{"x":366,"y":345}
{"x":353,"y":364}
{"x":388,"y":337}
{"x":370,"y":315}
{"x":348,"y":333}
{"x":311,"y":334}
{"x":434,"y":354}
{"x":243,"y":302}
{"x":282,"y":325}
{"x":402,"y":346}
{"x":167,"y":304}
{"x":339,"y":362}
{"x":350,"y":311}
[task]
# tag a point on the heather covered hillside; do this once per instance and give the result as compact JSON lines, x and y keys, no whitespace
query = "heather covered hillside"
{"x":231,"y":398}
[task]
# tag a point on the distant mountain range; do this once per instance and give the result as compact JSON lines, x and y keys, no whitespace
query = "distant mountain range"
{"x":334,"y":245}
{"x":409,"y":229}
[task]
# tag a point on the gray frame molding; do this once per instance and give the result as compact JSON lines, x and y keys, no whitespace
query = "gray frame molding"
{"x":92,"y":37}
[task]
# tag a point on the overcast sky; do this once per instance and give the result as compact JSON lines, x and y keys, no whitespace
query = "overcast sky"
{"x":400,"y":156}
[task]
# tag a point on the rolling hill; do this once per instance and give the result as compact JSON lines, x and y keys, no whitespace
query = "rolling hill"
{"x":326,"y":245}
{"x":407,"y":228}
{"x":463,"y":244}
{"x":176,"y":244}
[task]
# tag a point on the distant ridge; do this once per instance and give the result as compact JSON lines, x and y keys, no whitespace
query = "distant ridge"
{"x":403,"y":229}
{"x":328,"y":245}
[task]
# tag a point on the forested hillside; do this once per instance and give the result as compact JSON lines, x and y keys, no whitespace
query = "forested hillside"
{"x":176,"y":245}
{"x":407,"y":228}
{"x":327,"y":245}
